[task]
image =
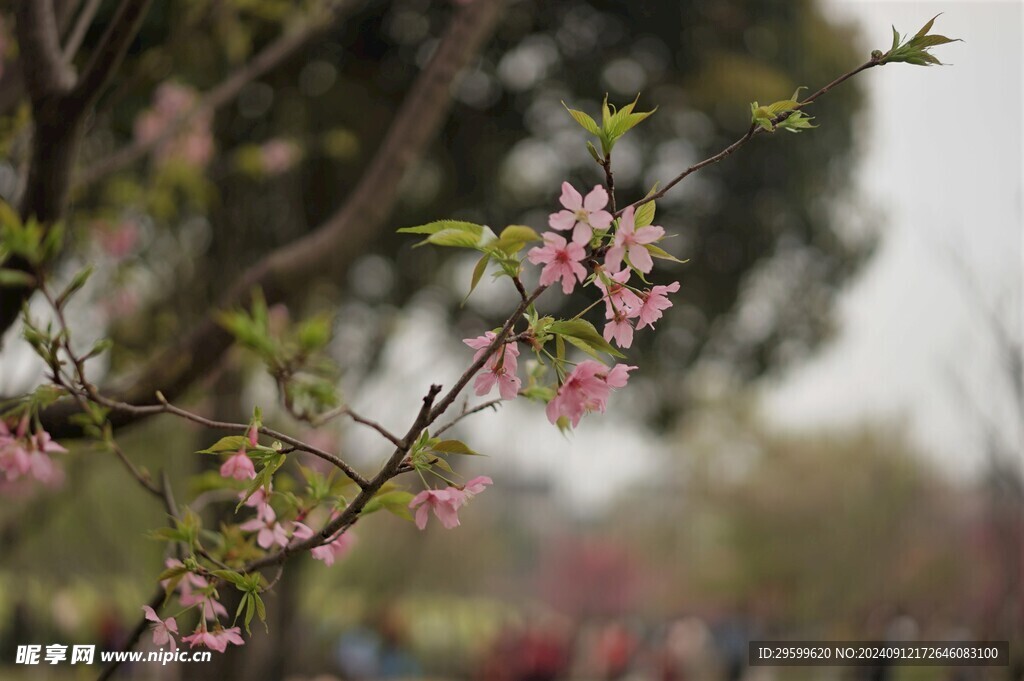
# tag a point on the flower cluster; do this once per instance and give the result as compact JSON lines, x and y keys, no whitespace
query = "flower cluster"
{"x":269,"y":531}
{"x":586,"y":389}
{"x":22,"y":454}
{"x":446,"y":502}
{"x":626,"y":247}
{"x":194,"y":591}
{"x":500,"y":370}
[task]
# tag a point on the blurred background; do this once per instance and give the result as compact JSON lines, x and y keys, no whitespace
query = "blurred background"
{"x":823,"y":441}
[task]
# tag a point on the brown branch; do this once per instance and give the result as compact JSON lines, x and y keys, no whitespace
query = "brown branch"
{"x":81,"y":27}
{"x":492,"y":404}
{"x":108,"y":54}
{"x":46,"y":73}
{"x":59,"y":106}
{"x":335,"y":243}
{"x":315,"y":26}
{"x":387,"y":434}
{"x":429,"y":412}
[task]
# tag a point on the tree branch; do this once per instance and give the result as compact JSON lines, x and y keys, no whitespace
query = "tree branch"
{"x":109,"y":53}
{"x":336,"y":242}
{"x":46,"y":73}
{"x":270,"y":57}
{"x":59,"y":105}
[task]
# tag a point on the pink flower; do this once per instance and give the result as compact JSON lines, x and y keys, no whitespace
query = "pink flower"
{"x":118,"y":242}
{"x":630,"y":241}
{"x":211,"y":609}
{"x":586,"y":389}
{"x":269,"y":531}
{"x":216,"y":640}
{"x":163,"y":630}
{"x":475,"y":486}
{"x":654,"y":302}
{"x":500,"y":370}
{"x":22,"y":454}
{"x":253,"y":435}
{"x":258,"y":499}
{"x":582,"y":215}
{"x":445,"y":505}
{"x":619,"y":329}
{"x":278,"y":156}
{"x":193,"y":144}
{"x":335,"y":549}
{"x":561,"y":261}
{"x":617,"y":296}
{"x":238,"y":466}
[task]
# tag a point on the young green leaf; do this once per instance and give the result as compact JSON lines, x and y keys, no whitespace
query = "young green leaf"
{"x":585,"y":121}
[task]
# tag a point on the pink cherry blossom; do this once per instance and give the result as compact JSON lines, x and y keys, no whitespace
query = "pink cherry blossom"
{"x":215,"y":640}
{"x":617,"y":296}
{"x":630,"y":241}
{"x":193,"y":143}
{"x":238,"y":466}
{"x":22,"y":454}
{"x":253,"y":435}
{"x":210,"y":608}
{"x":585,"y":390}
{"x":582,"y":215}
{"x":500,"y":370}
{"x":269,"y":531}
{"x":561,"y":261}
{"x":444,"y":502}
{"x":258,"y":499}
{"x":475,"y":486}
{"x":619,"y":329}
{"x":118,"y":242}
{"x":163,"y":630}
{"x":337,"y":548}
{"x":655,"y":302}
{"x":278,"y":156}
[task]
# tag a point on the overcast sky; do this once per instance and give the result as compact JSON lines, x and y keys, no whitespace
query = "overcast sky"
{"x":943,"y":162}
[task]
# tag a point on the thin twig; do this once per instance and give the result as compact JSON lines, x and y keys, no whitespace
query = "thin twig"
{"x":493,"y":404}
{"x":609,"y":178}
{"x":81,"y":27}
{"x":387,"y":434}
{"x":751,"y":132}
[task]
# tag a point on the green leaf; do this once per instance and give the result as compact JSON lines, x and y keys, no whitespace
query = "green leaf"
{"x":514,"y":237}
{"x":231,"y":443}
{"x":583,"y":330}
{"x":662,"y":254}
{"x":478,"y":273}
{"x":170,"y":573}
{"x":397,"y":502}
{"x":76,"y":284}
{"x":15,"y":278}
{"x":441,"y":225}
{"x":453,"y":447}
{"x":927,"y":27}
{"x":645,"y":214}
{"x":235,"y":578}
{"x":582,"y":345}
{"x":585,"y":121}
